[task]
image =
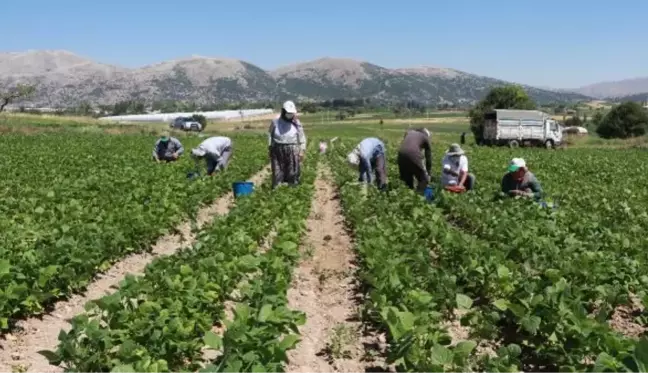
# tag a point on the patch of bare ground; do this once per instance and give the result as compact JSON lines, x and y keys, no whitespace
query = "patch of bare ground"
{"x":459,"y":333}
{"x":623,"y":317}
{"x":19,"y":351}
{"x":325,"y":289}
{"x":623,"y":321}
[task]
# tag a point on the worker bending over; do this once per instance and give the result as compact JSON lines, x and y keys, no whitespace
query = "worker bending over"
{"x":216,"y":151}
{"x":410,"y":161}
{"x":367,"y":156}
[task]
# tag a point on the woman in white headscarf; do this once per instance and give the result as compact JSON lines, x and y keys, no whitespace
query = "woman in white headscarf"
{"x":287,"y":146}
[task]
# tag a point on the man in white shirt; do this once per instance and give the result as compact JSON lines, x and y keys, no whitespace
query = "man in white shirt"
{"x":455,"y":169}
{"x":217,"y":151}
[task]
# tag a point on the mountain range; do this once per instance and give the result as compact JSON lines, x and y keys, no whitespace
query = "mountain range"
{"x":63,"y":78}
{"x":615,"y":89}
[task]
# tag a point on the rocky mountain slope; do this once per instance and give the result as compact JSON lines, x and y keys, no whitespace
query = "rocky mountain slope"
{"x":615,"y":89}
{"x":63,"y":79}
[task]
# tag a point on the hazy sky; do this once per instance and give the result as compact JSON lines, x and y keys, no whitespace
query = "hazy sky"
{"x":561,"y":44}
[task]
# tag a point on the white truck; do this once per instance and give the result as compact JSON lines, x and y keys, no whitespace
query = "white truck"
{"x":521,"y":128}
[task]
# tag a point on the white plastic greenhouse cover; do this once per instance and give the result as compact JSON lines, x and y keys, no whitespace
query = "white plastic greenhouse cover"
{"x":168,"y":117}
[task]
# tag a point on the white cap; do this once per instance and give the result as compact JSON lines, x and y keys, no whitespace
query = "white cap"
{"x":289,"y":107}
{"x":198,"y":152}
{"x":426,"y":132}
{"x":515,"y":164}
{"x":353,"y":158}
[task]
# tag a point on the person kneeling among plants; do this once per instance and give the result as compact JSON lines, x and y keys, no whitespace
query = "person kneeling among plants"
{"x":167,"y":148}
{"x":520,"y":182}
{"x":368,"y":155}
{"x":216,"y":151}
{"x":454,"y":173}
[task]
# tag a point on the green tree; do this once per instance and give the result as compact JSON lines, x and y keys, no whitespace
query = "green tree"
{"x":200,"y":119}
{"x":20,"y":91}
{"x":628,"y":119}
{"x":574,"y":121}
{"x":505,"y":97}
{"x":597,"y":118}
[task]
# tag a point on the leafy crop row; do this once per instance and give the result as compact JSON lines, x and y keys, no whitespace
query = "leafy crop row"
{"x":408,"y":258}
{"x":74,"y":203}
{"x":264,"y":328}
{"x":159,"y":321}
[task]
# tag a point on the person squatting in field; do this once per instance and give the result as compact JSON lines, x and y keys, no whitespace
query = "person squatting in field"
{"x":167,"y":148}
{"x":410,"y":161}
{"x":454,"y":172}
{"x":519,"y":181}
{"x":286,"y":146}
{"x":368,"y":155}
{"x":216,"y":151}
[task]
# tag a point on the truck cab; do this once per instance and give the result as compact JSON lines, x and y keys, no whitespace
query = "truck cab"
{"x":553,"y":132}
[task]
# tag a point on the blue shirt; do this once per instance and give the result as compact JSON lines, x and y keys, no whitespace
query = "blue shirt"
{"x":369,"y":149}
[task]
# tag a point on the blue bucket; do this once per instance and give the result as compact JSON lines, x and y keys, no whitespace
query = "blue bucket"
{"x":242,"y":188}
{"x":429,"y":194}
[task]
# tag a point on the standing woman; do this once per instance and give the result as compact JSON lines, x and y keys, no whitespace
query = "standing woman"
{"x":287,"y":146}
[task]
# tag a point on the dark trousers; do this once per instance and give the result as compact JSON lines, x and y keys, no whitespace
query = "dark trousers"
{"x":218,"y":164}
{"x":469,"y":184}
{"x":409,"y":169}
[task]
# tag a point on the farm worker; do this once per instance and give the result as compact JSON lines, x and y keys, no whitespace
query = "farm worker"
{"x":519,"y":181}
{"x":167,"y":148}
{"x":216,"y":151}
{"x":368,"y":155}
{"x":463,"y":138}
{"x":455,"y":169}
{"x":410,"y":161}
{"x":286,"y":146}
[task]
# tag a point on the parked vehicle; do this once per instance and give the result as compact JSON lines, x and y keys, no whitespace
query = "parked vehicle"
{"x":186,"y":124}
{"x":521,"y":128}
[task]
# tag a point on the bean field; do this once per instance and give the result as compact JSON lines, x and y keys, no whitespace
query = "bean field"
{"x":111,"y":262}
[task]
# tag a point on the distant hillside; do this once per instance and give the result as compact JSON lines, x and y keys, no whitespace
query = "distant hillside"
{"x":65,"y":79}
{"x":615,"y":89}
{"x":639,"y":97}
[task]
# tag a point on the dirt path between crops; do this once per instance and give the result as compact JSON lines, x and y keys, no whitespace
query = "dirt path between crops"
{"x":324,"y":288}
{"x":20,"y":351}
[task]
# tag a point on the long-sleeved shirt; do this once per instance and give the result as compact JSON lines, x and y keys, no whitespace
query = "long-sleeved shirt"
{"x":528,"y":183}
{"x":286,"y":133}
{"x":411,"y":147}
{"x":368,"y":149}
{"x":215,"y":146}
{"x":164,"y":150}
